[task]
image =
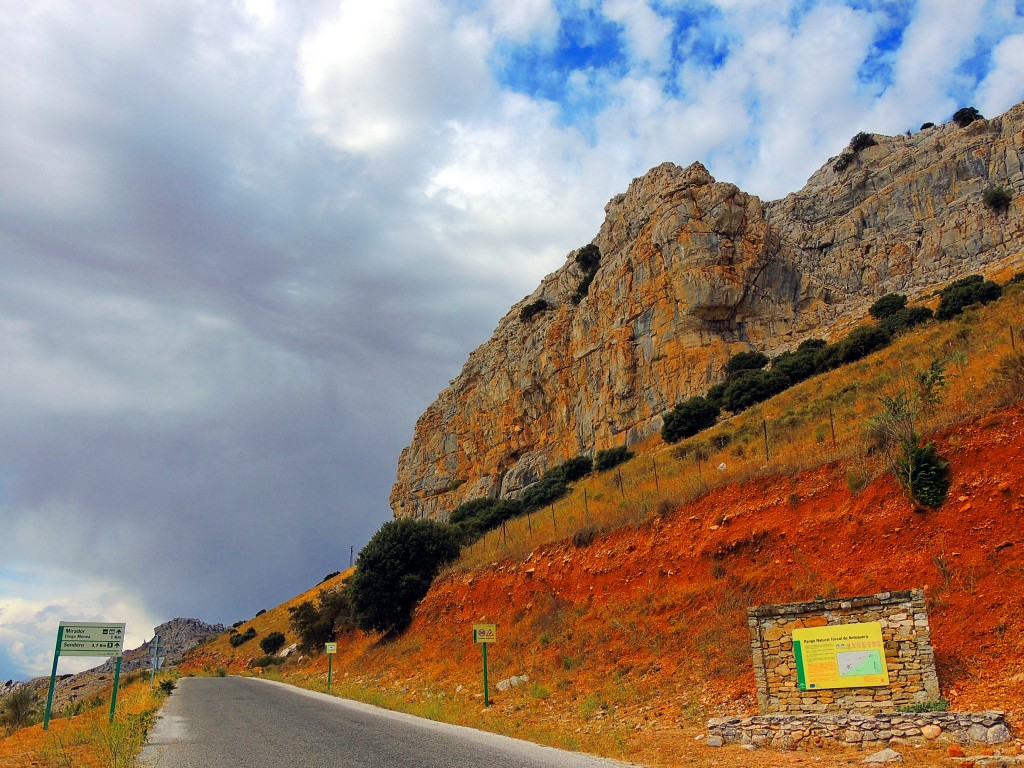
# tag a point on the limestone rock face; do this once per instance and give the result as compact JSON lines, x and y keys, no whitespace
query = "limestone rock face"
{"x":693,"y":271}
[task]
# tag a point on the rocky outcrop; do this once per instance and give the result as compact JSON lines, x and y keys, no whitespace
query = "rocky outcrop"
{"x":693,"y":271}
{"x":176,"y":637}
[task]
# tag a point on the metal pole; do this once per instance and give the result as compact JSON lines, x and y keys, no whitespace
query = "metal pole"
{"x":765,"y":424}
{"x":156,"y":659}
{"x":117,"y":678}
{"x":654,"y":463}
{"x":554,"y":525}
{"x":621,"y":492}
{"x":53,"y":678}
{"x":487,"y":701}
{"x":330,"y":664}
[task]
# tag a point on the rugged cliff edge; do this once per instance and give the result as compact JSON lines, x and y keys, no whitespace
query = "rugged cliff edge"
{"x":692,"y":271}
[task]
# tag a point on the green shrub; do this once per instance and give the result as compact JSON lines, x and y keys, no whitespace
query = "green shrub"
{"x":933,"y":705}
{"x":267,"y":661}
{"x":905,"y":319}
{"x":330,"y":576}
{"x":966,"y":115}
{"x":843,"y":162}
{"x":889,"y":304}
{"x":611,"y":458}
{"x":862,"y":341}
{"x":589,"y":260}
{"x":238,"y":638}
{"x":533,"y":309}
{"x":478,"y":516}
{"x":926,"y":126}
{"x":958,"y":295}
{"x":688,"y":418}
{"x":584,"y":537}
{"x":747,"y":388}
{"x":19,"y":709}
{"x":1010,"y":374}
{"x":998,"y":198}
{"x":395,"y":570}
{"x":272,"y":643}
{"x":572,"y":469}
{"x":862,"y":141}
{"x":746,"y":361}
{"x":167,"y":685}
{"x":320,"y":623}
{"x":802,"y":363}
{"x":923,"y":474}
{"x":928,"y":475}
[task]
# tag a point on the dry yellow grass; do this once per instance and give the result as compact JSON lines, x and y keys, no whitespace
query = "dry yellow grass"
{"x":88,"y":740}
{"x":800,"y":425}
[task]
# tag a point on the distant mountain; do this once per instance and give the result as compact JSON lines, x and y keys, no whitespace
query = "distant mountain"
{"x":684,"y":273}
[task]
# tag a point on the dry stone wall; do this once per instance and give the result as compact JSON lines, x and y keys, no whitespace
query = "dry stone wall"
{"x":794,"y":731}
{"x":908,"y":653}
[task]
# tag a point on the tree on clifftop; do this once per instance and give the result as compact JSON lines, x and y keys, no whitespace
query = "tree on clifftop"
{"x":395,"y":570}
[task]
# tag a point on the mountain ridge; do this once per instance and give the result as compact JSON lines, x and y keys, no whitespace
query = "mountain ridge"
{"x":692,"y":271}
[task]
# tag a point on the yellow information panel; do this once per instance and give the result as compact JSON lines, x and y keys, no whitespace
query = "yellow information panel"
{"x":485,"y":633}
{"x":840,"y":656}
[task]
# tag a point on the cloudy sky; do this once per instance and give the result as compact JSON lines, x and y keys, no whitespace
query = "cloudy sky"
{"x":245,"y":242}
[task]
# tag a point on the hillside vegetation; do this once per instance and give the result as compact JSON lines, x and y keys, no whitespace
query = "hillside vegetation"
{"x":624,"y":602}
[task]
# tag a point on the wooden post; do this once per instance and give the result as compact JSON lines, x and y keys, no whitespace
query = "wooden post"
{"x":832,"y":421}
{"x":586,"y":506}
{"x":765,"y":424}
{"x":654,"y":463}
{"x":622,"y":493}
{"x":554,"y":525}
{"x":529,"y":523}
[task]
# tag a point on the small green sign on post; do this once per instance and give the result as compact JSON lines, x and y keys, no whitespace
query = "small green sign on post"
{"x":84,"y":638}
{"x":330,"y":649}
{"x":484,"y":634}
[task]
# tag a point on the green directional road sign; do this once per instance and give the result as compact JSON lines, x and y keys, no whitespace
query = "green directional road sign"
{"x":86,"y":638}
{"x":91,"y":639}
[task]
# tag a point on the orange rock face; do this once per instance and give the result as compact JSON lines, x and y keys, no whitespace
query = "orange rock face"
{"x":693,"y":271}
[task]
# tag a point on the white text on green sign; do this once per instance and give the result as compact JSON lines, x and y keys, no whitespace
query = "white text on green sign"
{"x":82,"y":638}
{"x":330,"y":647}
{"x":485,"y":633}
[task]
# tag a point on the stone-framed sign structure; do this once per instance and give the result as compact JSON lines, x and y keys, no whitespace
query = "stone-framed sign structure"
{"x":872,"y":653}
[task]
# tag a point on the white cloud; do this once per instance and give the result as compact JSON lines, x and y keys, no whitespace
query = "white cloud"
{"x":1004,"y":85}
{"x":524,"y":19}
{"x":33,"y":602}
{"x":379,"y":75}
{"x":925,"y":71}
{"x":647,"y":33}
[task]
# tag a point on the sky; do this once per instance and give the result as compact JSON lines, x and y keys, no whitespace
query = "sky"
{"x":245,"y":243}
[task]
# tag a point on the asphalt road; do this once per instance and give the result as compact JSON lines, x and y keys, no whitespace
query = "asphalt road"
{"x":235,"y":721}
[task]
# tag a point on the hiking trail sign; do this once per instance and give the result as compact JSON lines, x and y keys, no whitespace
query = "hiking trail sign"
{"x":87,"y":638}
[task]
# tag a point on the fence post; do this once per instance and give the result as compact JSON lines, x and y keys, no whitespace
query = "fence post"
{"x":832,"y":421}
{"x":764,"y":423}
{"x":654,"y":463}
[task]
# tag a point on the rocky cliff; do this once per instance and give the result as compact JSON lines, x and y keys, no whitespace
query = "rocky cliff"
{"x":691,"y":271}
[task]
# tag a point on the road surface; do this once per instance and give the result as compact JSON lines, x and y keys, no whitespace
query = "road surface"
{"x":236,"y":721}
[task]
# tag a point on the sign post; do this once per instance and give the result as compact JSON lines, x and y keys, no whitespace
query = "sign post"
{"x":155,"y":660}
{"x":79,"y":638}
{"x":330,"y":649}
{"x":484,"y":634}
